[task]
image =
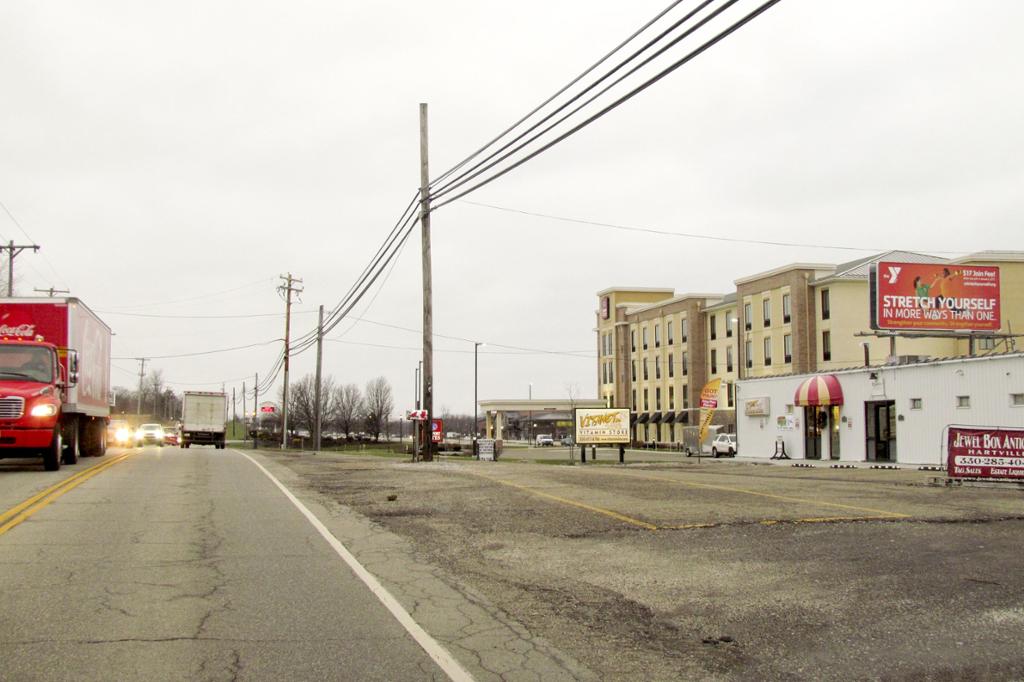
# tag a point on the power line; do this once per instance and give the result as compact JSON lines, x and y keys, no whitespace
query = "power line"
{"x":618,"y":102}
{"x":552,"y":98}
{"x":202,"y":317}
{"x":195,"y":298}
{"x":686,"y":235}
{"x":205,"y":352}
{"x":465,"y":177}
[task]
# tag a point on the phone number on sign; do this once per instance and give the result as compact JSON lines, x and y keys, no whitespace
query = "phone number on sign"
{"x":1010,"y":462}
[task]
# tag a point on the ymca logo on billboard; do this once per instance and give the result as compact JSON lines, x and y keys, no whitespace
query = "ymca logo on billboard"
{"x":894,"y":273}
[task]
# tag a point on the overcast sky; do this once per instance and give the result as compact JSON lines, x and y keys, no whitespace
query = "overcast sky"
{"x":174,"y":158}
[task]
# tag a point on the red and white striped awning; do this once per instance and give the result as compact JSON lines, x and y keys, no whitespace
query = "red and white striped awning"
{"x":819,"y":390}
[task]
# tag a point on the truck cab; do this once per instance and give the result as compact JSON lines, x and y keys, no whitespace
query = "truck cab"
{"x":32,"y":392}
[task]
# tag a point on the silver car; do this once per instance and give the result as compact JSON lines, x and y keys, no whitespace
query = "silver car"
{"x":724,"y":444}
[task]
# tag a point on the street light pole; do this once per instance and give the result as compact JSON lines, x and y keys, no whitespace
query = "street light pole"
{"x":529,"y":423}
{"x":476,"y":385}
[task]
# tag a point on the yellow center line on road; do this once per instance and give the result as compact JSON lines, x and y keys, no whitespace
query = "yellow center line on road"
{"x":15,"y":515}
{"x":785,"y":498}
{"x":573,"y":503}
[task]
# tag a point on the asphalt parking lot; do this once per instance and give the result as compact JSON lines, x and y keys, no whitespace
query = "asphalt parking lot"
{"x":719,"y":569}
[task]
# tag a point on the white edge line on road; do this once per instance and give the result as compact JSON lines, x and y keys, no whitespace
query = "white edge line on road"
{"x":438,"y":653}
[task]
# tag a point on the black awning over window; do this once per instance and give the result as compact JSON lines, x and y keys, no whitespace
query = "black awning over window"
{"x":656,"y":417}
{"x":632,"y":419}
{"x":669,"y":418}
{"x":643,"y":418}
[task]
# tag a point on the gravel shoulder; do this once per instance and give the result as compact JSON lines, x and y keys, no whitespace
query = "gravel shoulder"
{"x":720,"y":570}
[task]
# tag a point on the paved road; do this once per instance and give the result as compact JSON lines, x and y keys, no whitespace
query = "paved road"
{"x":185,"y":564}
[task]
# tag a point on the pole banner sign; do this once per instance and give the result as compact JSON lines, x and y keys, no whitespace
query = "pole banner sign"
{"x":708,"y":404}
{"x":980,"y":452}
{"x":601,"y":425}
{"x":935,"y":296}
{"x":436,"y":430}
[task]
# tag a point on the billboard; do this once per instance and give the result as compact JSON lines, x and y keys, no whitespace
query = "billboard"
{"x":935,"y":296}
{"x":983,"y":452}
{"x":596,"y":425}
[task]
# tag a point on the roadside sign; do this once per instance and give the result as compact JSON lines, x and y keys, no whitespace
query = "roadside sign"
{"x":602,"y":425}
{"x":980,"y":452}
{"x":436,"y":430}
{"x":416,"y":415}
{"x":485,"y":449}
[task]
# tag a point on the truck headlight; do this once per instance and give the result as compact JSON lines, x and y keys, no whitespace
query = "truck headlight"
{"x":44,"y":410}
{"x":122,"y":435}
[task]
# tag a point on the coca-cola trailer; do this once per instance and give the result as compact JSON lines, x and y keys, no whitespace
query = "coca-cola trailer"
{"x":54,"y":380}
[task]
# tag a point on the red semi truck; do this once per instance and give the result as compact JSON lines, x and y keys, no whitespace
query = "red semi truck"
{"x":54,"y":380}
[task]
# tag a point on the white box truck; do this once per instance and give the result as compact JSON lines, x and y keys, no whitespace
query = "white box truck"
{"x":203,"y":418}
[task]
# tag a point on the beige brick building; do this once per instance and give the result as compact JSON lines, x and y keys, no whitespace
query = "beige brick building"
{"x":656,"y":349}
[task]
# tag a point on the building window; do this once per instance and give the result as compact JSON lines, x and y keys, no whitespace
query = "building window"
{"x":728,"y":359}
{"x":686,"y":397}
{"x":730,"y":322}
{"x":671,"y":367}
{"x":729,"y":394}
{"x":646,"y":404}
{"x":787,"y":348}
{"x":963,"y":401}
{"x":684,"y":327}
{"x":711,"y":327}
{"x":632,"y":340}
{"x":766,"y":311}
{"x":657,"y":368}
{"x":668,"y":328}
{"x":1017,"y":399}
{"x":748,"y":316}
{"x":748,"y":351}
{"x":767,"y":351}
{"x":915,"y":403}
{"x":826,"y":346}
{"x":682,"y":363}
{"x":714,"y":361}
{"x":987,"y":344}
{"x":645,"y":369}
{"x":657,"y":399}
{"x":826,"y":310}
{"x":634,"y":400}
{"x":671,"y":397}
{"x":785,"y":309}
{"x":633,"y":370}
{"x":657,"y":335}
{"x":644,"y":332}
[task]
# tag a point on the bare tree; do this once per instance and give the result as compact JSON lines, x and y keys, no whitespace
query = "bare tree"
{"x":348,"y":407}
{"x":380,"y":403}
{"x":152,"y":388}
{"x":302,"y":402}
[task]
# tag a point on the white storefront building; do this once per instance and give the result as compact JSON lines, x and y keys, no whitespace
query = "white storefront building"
{"x":892,"y":413}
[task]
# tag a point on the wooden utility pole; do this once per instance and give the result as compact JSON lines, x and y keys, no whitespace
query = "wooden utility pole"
{"x":13,"y":250}
{"x":142,"y":373}
{"x":234,"y":413}
{"x":288,"y":288}
{"x":256,"y":412}
{"x":428,"y":312}
{"x":51,"y":292}
{"x":319,"y":364}
{"x":245,"y":424}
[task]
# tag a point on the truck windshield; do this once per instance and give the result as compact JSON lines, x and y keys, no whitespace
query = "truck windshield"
{"x":28,"y":363}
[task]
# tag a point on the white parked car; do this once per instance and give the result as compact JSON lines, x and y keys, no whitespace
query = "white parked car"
{"x":724,"y":444}
{"x":545,"y":439}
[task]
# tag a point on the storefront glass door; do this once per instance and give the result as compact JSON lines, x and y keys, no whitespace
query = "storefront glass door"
{"x":880,"y":420}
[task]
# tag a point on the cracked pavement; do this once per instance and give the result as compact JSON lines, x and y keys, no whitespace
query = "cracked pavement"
{"x":180,"y":564}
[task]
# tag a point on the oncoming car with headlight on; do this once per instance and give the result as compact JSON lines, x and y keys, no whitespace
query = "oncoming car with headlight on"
{"x":150,"y":434}
{"x":119,"y":433}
